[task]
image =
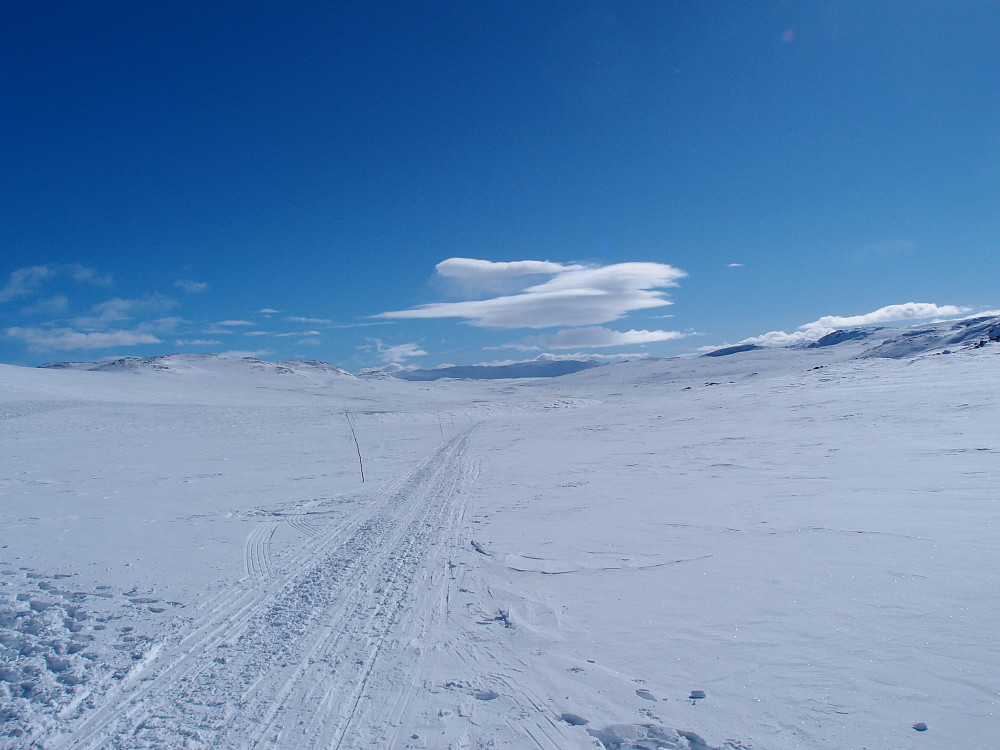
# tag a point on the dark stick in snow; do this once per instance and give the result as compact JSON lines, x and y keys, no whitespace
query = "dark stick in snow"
{"x":356,"y":445}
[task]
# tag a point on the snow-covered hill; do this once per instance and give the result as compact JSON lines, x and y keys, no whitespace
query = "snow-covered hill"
{"x":921,"y":339}
{"x":204,"y":363}
{"x":774,"y":549}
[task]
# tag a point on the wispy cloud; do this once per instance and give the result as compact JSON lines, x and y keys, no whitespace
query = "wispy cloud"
{"x":65,"y":339}
{"x":309,"y":321}
{"x":163,"y":325}
{"x":268,"y":311}
{"x":399,"y":352}
{"x":573,"y":295}
{"x":297,"y":333}
{"x":235,"y":323}
{"x":520,"y":346}
{"x":55,"y":305}
{"x":735,"y":265}
{"x":118,"y":309}
{"x":191,"y":287}
{"x":473,"y":278}
{"x":26,"y":281}
{"x":479,"y":271}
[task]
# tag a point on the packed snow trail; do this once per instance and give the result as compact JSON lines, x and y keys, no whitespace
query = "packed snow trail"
{"x":285,"y":661}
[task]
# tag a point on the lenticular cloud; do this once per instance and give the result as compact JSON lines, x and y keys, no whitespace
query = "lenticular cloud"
{"x":572,"y":295}
{"x":596,"y":336}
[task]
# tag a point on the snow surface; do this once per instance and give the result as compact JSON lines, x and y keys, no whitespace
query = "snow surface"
{"x":792,"y":548}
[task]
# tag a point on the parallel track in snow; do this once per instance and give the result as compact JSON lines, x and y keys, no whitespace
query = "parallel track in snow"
{"x":288,"y":657}
{"x":257,"y":555}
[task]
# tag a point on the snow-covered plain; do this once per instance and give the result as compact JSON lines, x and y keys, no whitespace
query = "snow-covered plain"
{"x":782,"y":548}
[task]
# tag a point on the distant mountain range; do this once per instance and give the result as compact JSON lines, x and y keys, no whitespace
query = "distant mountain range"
{"x":894,"y":343}
{"x":534,"y":368}
{"x":185,"y":363}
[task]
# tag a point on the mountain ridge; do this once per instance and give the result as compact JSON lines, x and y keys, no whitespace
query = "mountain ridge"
{"x":891,"y":343}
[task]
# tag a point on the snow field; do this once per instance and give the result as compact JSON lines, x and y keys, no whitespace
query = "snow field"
{"x":780,"y":549}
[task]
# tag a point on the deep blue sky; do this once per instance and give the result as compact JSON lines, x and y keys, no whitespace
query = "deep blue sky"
{"x":171,"y":170}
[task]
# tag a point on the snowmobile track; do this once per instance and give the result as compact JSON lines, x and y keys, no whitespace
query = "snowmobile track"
{"x":287,"y":656}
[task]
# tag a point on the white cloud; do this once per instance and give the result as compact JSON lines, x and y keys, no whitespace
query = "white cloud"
{"x":779,"y":338}
{"x":268,"y":311}
{"x":297,"y":333}
{"x":81,"y":273}
{"x":163,"y":325}
{"x":236,"y":323}
{"x":476,"y":270}
{"x":517,"y":346}
{"x":399,"y":352}
{"x":596,"y":336}
{"x":68,"y":339}
{"x":56,"y":305}
{"x":191,"y":287}
{"x":471,"y":278}
{"x":25,"y":281}
{"x":735,"y":265}
{"x":118,"y":309}
{"x":575,"y":295}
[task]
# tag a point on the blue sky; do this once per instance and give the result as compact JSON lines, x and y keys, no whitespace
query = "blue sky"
{"x":419,"y":183}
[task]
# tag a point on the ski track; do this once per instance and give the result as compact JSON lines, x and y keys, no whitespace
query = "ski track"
{"x":285,"y":657}
{"x":257,"y":555}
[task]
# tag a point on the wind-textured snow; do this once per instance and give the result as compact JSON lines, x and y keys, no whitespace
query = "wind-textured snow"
{"x":791,"y":548}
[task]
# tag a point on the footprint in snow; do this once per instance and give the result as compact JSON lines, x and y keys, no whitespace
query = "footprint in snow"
{"x":640,"y":736}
